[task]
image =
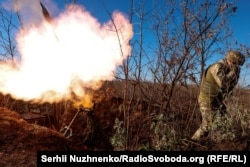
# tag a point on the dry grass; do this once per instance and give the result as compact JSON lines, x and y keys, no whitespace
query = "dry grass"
{"x":141,"y":122}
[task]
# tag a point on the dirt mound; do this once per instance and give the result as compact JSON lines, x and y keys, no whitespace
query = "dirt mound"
{"x":112,"y":124}
{"x":20,"y":140}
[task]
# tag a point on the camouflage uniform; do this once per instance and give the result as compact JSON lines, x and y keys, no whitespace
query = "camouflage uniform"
{"x":217,"y":83}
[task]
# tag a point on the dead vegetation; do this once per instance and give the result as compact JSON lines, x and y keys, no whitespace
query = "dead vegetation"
{"x":103,"y":127}
{"x":130,"y":113}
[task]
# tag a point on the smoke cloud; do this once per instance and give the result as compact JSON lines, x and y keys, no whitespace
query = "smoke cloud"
{"x":66,"y":56}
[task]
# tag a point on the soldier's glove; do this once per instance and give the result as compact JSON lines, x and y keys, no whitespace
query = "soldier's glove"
{"x":234,"y":72}
{"x":232,"y":77}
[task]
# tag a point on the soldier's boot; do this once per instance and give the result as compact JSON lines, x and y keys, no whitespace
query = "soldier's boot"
{"x":199,"y":134}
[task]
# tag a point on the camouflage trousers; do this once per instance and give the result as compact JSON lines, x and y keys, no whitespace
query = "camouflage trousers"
{"x":208,"y":114}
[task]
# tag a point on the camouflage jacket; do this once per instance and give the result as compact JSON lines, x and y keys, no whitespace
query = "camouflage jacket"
{"x":218,"y":82}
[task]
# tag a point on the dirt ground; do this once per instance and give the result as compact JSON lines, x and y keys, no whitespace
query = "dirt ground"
{"x":21,"y":139}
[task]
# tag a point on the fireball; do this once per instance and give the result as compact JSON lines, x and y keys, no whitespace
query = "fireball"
{"x":62,"y":58}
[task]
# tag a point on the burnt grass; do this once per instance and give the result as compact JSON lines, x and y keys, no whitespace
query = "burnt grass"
{"x":138,"y":123}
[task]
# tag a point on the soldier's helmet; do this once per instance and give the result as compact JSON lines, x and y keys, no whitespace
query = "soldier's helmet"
{"x":235,"y":57}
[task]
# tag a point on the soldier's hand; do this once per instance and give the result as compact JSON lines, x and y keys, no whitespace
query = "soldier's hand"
{"x":234,"y":72}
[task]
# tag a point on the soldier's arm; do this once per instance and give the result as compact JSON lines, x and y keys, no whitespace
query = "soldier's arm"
{"x":234,"y":73}
{"x":218,"y":74}
{"x":232,"y":77}
{"x":226,"y":77}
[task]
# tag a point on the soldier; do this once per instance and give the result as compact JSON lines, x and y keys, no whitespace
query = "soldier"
{"x":217,"y":83}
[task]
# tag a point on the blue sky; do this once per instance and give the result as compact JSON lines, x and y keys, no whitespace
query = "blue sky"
{"x":240,"y":22}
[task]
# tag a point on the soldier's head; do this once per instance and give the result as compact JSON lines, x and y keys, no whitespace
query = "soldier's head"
{"x":235,"y":57}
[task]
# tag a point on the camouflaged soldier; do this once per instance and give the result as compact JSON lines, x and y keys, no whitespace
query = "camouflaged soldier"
{"x":217,"y":83}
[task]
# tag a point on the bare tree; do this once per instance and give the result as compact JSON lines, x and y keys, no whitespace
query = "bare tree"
{"x":187,"y":32}
{"x":7,"y":41}
{"x":186,"y":35}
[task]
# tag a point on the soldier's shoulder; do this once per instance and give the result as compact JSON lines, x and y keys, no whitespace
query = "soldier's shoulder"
{"x":216,"y":66}
{"x":217,"y":69}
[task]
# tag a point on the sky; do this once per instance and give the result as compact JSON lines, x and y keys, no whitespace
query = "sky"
{"x":240,"y":22}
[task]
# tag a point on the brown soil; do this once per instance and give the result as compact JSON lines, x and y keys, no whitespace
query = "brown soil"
{"x":20,"y":140}
{"x":92,"y":130}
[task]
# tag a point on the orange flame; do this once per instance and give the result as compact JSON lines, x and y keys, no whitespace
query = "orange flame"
{"x":65,"y":56}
